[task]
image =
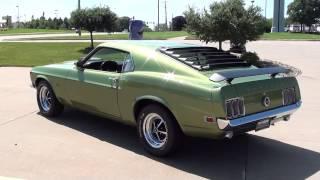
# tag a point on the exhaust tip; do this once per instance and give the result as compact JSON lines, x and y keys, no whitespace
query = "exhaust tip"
{"x":229,"y":134}
{"x":287,"y":118}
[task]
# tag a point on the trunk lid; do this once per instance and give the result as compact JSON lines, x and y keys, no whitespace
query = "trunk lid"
{"x":254,"y":93}
{"x":255,"y":88}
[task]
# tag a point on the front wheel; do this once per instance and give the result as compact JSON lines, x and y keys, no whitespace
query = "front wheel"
{"x":158,"y":131}
{"x":48,"y":103}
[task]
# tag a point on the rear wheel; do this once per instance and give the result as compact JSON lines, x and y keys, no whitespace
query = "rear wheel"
{"x":159,"y":132}
{"x":47,"y":101}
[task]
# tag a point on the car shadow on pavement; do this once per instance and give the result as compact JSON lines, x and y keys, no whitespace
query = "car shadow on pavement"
{"x":244,"y":157}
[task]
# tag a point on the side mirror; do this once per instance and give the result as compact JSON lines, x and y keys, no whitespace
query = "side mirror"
{"x":79,"y":65}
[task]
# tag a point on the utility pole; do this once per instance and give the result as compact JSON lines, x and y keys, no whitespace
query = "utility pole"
{"x":56,"y":13}
{"x":165,"y":11}
{"x":79,"y":7}
{"x":158,"y":15}
{"x":172,"y":22}
{"x":18,"y":18}
{"x":265,"y":9}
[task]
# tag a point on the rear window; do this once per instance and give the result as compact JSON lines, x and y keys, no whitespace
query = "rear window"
{"x":204,"y":58}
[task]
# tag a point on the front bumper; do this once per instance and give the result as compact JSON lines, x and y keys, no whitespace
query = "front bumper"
{"x":281,"y":113}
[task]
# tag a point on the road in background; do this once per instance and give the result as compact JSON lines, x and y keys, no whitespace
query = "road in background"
{"x":19,"y":38}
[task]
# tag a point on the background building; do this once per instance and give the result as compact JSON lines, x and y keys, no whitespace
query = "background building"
{"x":6,"y":22}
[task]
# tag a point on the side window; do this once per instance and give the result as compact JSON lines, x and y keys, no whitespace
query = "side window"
{"x":107,"y":54}
{"x":112,"y":60}
{"x":128,"y":64}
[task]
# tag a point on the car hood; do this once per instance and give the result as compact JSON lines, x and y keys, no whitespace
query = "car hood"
{"x":69,"y":62}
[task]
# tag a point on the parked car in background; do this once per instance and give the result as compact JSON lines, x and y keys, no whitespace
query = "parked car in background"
{"x":168,"y":90}
{"x":315,"y":28}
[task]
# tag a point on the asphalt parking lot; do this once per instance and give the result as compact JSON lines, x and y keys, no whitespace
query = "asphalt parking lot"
{"x":78,"y":145}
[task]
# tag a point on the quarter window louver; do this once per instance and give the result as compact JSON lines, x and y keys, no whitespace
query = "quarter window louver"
{"x":204,"y":58}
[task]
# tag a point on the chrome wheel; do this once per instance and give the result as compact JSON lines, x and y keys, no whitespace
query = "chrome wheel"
{"x":45,"y":98}
{"x":155,"y":130}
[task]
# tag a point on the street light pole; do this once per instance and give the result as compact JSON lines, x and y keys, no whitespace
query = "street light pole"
{"x":18,"y":18}
{"x":265,"y":9}
{"x":252,"y":3}
{"x":158,"y":15}
{"x":165,"y":11}
{"x":56,"y":13}
{"x":79,"y":7}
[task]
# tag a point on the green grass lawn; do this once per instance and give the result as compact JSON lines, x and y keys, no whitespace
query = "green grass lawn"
{"x":29,"y":31}
{"x":33,"y":54}
{"x":147,"y":36}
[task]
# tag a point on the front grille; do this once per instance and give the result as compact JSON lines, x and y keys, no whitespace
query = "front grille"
{"x":235,"y":108}
{"x":288,"y":96}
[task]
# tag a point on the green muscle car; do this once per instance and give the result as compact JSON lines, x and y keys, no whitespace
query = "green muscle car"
{"x":168,"y":90}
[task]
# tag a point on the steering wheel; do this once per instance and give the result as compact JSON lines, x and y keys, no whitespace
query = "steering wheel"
{"x":111,"y":66}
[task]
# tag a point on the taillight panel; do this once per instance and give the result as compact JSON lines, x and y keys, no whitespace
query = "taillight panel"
{"x":288,"y":96}
{"x":235,"y":108}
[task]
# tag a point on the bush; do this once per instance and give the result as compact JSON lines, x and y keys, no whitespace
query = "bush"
{"x":251,"y":57}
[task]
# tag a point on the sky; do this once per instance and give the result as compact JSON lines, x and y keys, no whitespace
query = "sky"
{"x":145,"y":10}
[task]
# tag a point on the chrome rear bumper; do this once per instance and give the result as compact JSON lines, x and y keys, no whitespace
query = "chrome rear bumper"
{"x":274,"y":114}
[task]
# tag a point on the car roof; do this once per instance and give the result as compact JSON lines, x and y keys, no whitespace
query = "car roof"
{"x":128,"y":45}
{"x":196,"y":56}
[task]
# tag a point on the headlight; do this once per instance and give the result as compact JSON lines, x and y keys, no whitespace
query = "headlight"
{"x":288,"y":96}
{"x":235,"y":108}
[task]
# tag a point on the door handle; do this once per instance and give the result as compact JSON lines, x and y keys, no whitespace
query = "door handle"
{"x":114,"y":82}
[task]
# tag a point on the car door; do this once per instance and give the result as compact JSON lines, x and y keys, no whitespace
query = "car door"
{"x":96,"y":90}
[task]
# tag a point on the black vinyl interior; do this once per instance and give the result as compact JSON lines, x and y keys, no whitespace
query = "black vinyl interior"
{"x":110,"y":66}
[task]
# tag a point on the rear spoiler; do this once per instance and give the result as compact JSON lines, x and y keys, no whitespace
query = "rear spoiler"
{"x":232,"y":74}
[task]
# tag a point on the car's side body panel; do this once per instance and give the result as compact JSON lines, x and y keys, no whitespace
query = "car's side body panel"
{"x":92,"y":90}
{"x":188,"y":101}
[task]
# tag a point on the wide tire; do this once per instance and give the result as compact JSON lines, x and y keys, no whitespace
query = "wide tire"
{"x":158,"y":130}
{"x":48,"y":103}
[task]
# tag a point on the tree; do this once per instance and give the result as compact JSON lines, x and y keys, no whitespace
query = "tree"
{"x":123,"y":23}
{"x":50,"y":24}
{"x":312,"y":12}
{"x":104,"y":19}
{"x":304,"y":12}
{"x":248,"y":24}
{"x":178,"y":23}
{"x":296,"y":12}
{"x":162,"y":27}
{"x":65,"y":24}
{"x":42,"y":22}
{"x":226,"y":20}
{"x":146,"y":28}
{"x":268,"y":25}
{"x":100,"y":18}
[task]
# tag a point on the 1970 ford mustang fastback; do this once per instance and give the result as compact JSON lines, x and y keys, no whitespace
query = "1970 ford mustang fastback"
{"x":168,"y":90}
